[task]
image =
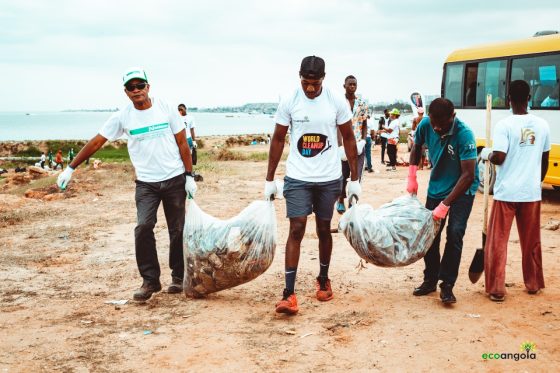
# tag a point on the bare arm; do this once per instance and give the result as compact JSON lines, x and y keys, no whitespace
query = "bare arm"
{"x":544,"y":164}
{"x":88,"y":150}
{"x":192,"y":134}
{"x":276,"y":149}
{"x":497,"y":158}
{"x":463,"y":184}
{"x":364,"y":129}
{"x":415,"y":155}
{"x":350,"y":148}
{"x":338,"y":137}
{"x":184,"y":151}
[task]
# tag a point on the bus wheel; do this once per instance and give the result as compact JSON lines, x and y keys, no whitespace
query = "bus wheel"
{"x":481,"y":166}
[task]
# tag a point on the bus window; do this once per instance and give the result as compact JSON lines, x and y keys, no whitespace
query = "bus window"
{"x":453,"y":83}
{"x":491,"y":79}
{"x":543,"y":75}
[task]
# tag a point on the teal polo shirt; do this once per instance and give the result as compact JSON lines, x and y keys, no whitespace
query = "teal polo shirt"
{"x":446,"y":153}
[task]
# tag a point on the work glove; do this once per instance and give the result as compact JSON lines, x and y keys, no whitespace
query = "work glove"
{"x":360,"y":145}
{"x":190,"y":186}
{"x":440,"y":212}
{"x":270,"y":190}
{"x":342,"y":153}
{"x":194,"y":144}
{"x":354,"y":189}
{"x":485,"y":153}
{"x":412,"y":182}
{"x":64,"y":178}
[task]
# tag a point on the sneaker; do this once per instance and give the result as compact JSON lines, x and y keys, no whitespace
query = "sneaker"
{"x":533,"y":292}
{"x":288,"y":304}
{"x":324,"y":290}
{"x":391,"y":169}
{"x":340,"y":208}
{"x":370,"y":170}
{"x":176,"y":286}
{"x":146,"y":290}
{"x":497,"y":297}
{"x":425,"y":288}
{"x":446,"y":293}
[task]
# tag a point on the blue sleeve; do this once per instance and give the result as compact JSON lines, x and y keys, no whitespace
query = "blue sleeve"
{"x":420,"y":135}
{"x":467,"y":145}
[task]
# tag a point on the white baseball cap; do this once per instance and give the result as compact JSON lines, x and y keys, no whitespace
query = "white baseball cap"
{"x":134,"y":73}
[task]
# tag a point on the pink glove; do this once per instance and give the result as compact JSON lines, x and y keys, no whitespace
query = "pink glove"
{"x":412,"y":184}
{"x":440,"y":212}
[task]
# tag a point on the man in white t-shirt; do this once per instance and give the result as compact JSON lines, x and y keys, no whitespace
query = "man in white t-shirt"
{"x":520,"y":147}
{"x":158,"y":149}
{"x":189,"y":122}
{"x":313,"y":171}
{"x":391,"y":132}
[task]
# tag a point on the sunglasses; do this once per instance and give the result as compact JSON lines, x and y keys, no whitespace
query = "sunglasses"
{"x":132,"y":87}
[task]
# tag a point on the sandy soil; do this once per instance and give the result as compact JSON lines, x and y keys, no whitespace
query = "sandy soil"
{"x":61,"y":260}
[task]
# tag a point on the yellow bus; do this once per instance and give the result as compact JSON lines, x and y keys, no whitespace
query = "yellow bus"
{"x":469,"y":74}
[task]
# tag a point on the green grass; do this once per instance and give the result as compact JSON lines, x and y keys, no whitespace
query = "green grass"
{"x":111,"y":154}
{"x":39,"y":183}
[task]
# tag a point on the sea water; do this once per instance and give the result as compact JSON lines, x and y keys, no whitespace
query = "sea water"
{"x":84,"y":125}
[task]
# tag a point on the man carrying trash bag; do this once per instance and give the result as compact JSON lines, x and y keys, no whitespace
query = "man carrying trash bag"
{"x":313,"y":171}
{"x":158,"y":149}
{"x":451,"y":190}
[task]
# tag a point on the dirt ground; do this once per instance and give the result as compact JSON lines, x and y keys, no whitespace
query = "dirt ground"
{"x":61,"y":260}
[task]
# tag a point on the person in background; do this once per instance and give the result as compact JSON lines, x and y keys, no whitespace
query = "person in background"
{"x":392,"y":131}
{"x":71,"y":155}
{"x":313,"y":170}
{"x":383,"y":123}
{"x":158,"y":150}
{"x":520,"y":146}
{"x":451,"y":190}
{"x":370,"y":135}
{"x":43,"y":160}
{"x":59,"y":160}
{"x":359,"y":110}
{"x":51,"y":159}
{"x":188,"y":121}
{"x":415,"y":123}
{"x":552,"y":100}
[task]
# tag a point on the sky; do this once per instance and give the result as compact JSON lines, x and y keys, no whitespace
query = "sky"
{"x":58,"y":54}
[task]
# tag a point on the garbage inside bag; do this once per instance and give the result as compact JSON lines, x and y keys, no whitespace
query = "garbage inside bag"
{"x":221,"y":254}
{"x":396,"y":234}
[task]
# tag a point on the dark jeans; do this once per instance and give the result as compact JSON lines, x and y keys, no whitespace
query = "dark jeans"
{"x":346,"y":173}
{"x":367,"y":150}
{"x":148,"y":197}
{"x":383,"y":146}
{"x":392,"y":153}
{"x":447,"y":270}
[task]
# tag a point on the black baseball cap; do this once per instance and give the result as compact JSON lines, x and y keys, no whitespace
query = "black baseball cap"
{"x":312,"y":67}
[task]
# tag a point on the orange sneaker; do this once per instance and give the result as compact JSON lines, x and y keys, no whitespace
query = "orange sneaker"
{"x":324,"y":293}
{"x":288,"y":304}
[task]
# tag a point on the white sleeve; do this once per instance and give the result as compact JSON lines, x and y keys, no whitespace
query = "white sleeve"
{"x":175,"y":122}
{"x":113,"y":128}
{"x":546,"y":145}
{"x":500,"y":141}
{"x":283,"y":116}
{"x":343,"y":113}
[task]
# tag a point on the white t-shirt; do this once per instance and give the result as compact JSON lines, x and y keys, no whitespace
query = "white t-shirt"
{"x":385,"y":126}
{"x":395,"y":125}
{"x":523,"y":138}
{"x":313,"y":138}
{"x":151,"y":142}
{"x":188,"y":121}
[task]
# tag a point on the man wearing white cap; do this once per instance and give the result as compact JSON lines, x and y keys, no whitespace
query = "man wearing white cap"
{"x":159,"y":152}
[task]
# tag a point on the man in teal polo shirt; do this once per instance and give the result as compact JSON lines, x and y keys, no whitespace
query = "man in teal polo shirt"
{"x":453,"y":184}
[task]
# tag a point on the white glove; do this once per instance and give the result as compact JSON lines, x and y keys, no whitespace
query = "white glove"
{"x":360,"y":144}
{"x":190,"y":186}
{"x":485,"y":153}
{"x":354,"y":189}
{"x":194,"y":145}
{"x":270,"y":190}
{"x":342,"y":153}
{"x":64,"y":178}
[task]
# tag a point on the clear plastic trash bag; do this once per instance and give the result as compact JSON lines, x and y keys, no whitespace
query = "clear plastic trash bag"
{"x":221,"y":254}
{"x":396,"y":234}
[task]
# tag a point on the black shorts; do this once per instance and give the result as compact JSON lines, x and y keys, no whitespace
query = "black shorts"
{"x":304,"y":197}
